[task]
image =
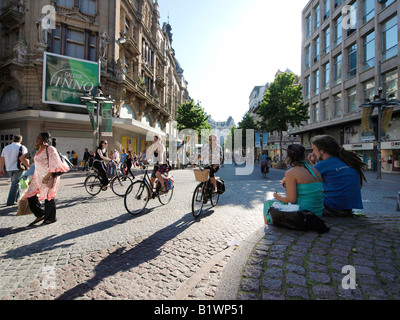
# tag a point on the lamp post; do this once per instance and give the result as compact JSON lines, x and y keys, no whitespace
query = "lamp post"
{"x":381,"y":103}
{"x":97,"y":99}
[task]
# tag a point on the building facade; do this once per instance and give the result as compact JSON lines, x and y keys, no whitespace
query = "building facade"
{"x":139,"y":70}
{"x":349,"y":50}
{"x":221,"y":128}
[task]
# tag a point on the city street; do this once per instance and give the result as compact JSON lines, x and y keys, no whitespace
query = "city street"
{"x":98,"y":251}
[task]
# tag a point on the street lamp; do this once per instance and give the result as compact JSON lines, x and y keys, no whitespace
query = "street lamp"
{"x":98,"y":99}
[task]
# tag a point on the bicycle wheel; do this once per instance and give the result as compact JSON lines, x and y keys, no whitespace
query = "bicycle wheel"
{"x":136,"y":197}
{"x":165,"y":198}
{"x":214,"y":199}
{"x":93,"y":184}
{"x":197,"y":200}
{"x":120,"y":184}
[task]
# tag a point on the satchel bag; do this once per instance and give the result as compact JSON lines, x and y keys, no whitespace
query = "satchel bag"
{"x":220,"y":186}
{"x":297,"y":220}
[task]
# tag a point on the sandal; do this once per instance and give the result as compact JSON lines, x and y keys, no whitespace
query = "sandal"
{"x":36,"y":221}
{"x":48,"y":222}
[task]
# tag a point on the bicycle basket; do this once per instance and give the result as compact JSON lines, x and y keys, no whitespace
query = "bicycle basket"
{"x":201,"y":175}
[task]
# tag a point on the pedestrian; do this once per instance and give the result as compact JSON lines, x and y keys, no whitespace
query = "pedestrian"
{"x":100,"y":164}
{"x":86,"y":156}
{"x":74,"y":159}
{"x":302,"y":182}
{"x":342,"y":176}
{"x":212,"y":157}
{"x":129,"y":162}
{"x":124,"y":155}
{"x":27,"y":160}
{"x":157,"y":154}
{"x":9,"y":159}
{"x":45,"y":182}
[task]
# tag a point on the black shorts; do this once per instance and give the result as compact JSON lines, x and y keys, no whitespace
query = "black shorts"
{"x":212,"y":171}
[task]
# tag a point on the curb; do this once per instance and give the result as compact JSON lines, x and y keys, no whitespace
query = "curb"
{"x":232,"y":275}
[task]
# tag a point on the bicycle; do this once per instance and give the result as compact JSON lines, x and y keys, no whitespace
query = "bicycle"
{"x":137,"y":196}
{"x":119,"y":183}
{"x":204,"y":191}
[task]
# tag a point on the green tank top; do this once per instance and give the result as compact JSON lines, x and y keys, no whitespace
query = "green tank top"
{"x":310,"y":195}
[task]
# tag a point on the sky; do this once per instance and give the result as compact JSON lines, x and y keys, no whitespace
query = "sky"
{"x":227,"y":47}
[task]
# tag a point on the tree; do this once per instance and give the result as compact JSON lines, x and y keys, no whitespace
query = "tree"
{"x":247,"y":122}
{"x":282,"y":105}
{"x":192,"y":116}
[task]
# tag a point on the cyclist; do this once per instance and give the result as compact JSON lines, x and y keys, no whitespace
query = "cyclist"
{"x":157,"y":153}
{"x":264,"y":163}
{"x":212,"y":156}
{"x":99,"y":165}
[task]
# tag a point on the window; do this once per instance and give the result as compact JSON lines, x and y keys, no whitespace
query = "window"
{"x":316,"y":49}
{"x":337,"y":3}
{"x":75,"y":44}
{"x":338,"y":69}
{"x":65,"y":3}
{"x":326,"y":70}
{"x":88,"y":6}
{"x":338,"y":30}
{"x":316,"y":82}
{"x":368,"y":10}
{"x":317,"y":19}
{"x":307,"y":88}
{"x":325,"y":110}
{"x":387,"y":3}
{"x":369,"y":90}
{"x":337,"y":108}
{"x":327,"y":8}
{"x":369,"y":51}
{"x":352,"y":99}
{"x":391,"y":85}
{"x":316,"y":112}
{"x":308,"y":26}
{"x":57,"y":40}
{"x":352,"y":27}
{"x":352,"y":61}
{"x":308,"y":57}
{"x":327,"y":40}
{"x":389,"y":38}
{"x":127,"y":26}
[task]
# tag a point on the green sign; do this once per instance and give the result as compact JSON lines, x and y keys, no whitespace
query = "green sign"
{"x":106,"y":114}
{"x":90,"y":107}
{"x":65,"y":79}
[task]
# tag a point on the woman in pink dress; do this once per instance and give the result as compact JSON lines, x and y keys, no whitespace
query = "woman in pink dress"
{"x":44,"y":184}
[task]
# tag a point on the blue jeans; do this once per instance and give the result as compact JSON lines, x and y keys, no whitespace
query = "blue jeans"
{"x":15,"y":188}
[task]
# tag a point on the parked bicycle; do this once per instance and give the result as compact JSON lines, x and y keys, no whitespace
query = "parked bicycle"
{"x":140,"y":192}
{"x":204,"y":191}
{"x":119,"y":183}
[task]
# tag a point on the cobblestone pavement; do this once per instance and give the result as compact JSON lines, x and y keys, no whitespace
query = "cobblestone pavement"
{"x":98,"y":251}
{"x":296,"y":265}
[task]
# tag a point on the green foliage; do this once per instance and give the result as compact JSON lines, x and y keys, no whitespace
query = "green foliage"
{"x":282,"y":105}
{"x":192,"y":116}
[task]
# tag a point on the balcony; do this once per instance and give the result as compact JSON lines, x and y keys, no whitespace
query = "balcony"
{"x":13,"y":14}
{"x":130,"y":44}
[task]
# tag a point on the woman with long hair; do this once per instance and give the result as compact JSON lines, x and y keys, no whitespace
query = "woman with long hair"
{"x":99,"y":164}
{"x":44,"y":184}
{"x":157,"y":152}
{"x":342,"y":175}
{"x":302,"y":182}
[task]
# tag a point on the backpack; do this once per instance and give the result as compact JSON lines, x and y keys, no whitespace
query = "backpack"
{"x":297,"y":220}
{"x":20,"y":165}
{"x":63,"y":159}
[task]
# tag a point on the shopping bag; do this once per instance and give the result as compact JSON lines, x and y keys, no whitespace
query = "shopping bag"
{"x":23,"y":205}
{"x":24,"y":183}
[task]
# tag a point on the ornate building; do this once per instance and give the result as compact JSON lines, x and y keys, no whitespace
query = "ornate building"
{"x":139,"y":70}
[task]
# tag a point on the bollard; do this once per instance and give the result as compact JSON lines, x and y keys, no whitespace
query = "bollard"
{"x":398,"y":202}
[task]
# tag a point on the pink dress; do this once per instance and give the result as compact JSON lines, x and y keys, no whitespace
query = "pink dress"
{"x":43,"y":166}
